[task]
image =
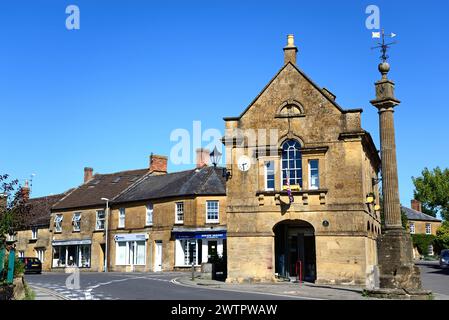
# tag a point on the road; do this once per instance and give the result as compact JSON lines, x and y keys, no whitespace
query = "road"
{"x":434,"y":278}
{"x":135,"y":286}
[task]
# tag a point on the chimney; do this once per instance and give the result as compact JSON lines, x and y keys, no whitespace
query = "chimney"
{"x":202,"y":157}
{"x":88,"y":173}
{"x":290,"y":50}
{"x":416,"y":205}
{"x":158,"y":164}
{"x":25,"y":191}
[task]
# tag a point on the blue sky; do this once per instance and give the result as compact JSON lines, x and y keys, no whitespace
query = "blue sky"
{"x":109,"y":94}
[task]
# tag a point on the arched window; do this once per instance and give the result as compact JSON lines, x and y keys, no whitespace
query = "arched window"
{"x":291,"y":163}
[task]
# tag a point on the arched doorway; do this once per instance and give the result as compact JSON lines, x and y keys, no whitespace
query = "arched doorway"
{"x":295,"y":241}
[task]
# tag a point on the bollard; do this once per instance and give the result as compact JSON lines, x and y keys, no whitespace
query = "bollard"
{"x":193,"y":271}
{"x":12,"y":257}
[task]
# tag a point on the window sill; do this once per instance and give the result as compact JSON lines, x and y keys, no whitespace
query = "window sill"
{"x":212,"y":222}
{"x":76,"y":231}
{"x":284,"y":192}
{"x":98,"y":230}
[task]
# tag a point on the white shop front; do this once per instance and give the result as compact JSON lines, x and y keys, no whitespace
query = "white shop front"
{"x":130,"y":249}
{"x":71,"y":253}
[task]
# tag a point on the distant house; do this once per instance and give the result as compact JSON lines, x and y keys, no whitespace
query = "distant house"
{"x":420,"y":223}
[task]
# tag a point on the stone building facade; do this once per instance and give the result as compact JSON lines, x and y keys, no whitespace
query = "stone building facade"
{"x":324,"y":220}
{"x":420,"y":223}
{"x":166,"y":222}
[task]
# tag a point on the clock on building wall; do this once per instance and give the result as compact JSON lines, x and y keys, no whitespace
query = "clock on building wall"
{"x":244,"y":163}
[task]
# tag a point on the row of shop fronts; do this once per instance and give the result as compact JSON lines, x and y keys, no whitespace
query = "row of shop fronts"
{"x":139,"y":252}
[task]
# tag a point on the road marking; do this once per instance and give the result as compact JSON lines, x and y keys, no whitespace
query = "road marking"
{"x":176,"y":282}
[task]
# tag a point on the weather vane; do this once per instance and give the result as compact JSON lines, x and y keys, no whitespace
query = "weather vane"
{"x":383,"y":46}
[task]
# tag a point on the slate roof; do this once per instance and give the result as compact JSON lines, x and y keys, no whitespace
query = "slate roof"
{"x":39,"y":214}
{"x":204,"y":181}
{"x":100,"y":186}
{"x":416,"y":215}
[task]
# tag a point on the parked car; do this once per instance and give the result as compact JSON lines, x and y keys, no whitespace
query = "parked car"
{"x":32,"y":264}
{"x":444,"y":258}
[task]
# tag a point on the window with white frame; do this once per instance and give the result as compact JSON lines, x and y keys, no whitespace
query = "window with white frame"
{"x":76,"y":220}
{"x":179,"y":214}
{"x":21,"y":254}
{"x":149,"y":215}
{"x":121,"y":217}
{"x":428,"y":228}
{"x":130,"y":253}
{"x":212,"y":211}
{"x":40,"y":253}
{"x":291,"y":163}
{"x":100,"y":220}
{"x":269,"y":175}
{"x":412,"y":227}
{"x":58,"y":222}
{"x":430,"y":250}
{"x":314,"y":174}
{"x":34,"y":233}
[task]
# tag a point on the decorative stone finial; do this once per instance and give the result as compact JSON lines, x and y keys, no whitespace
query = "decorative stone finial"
{"x":290,"y":50}
{"x":384,"y":68}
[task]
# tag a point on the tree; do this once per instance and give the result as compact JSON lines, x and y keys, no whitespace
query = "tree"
{"x":442,"y":238}
{"x":14,"y":207}
{"x":432,"y":189}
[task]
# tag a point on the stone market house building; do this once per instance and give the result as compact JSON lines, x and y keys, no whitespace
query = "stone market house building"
{"x":420,"y":223}
{"x":78,"y":221}
{"x":166,"y":222}
{"x":331,"y":165}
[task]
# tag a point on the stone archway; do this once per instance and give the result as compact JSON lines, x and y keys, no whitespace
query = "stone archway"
{"x":295,"y":241}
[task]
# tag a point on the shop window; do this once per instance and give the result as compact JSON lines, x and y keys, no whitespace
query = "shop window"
{"x":100,"y":220}
{"x":269,"y":175}
{"x":149,"y":215}
{"x":179,"y":218}
{"x":58,"y":222}
{"x":212,"y":211}
{"x":412,"y":227}
{"x":71,"y":255}
{"x":314,"y":175}
{"x":428,"y":228}
{"x":292,"y":164}
{"x":76,"y":220}
{"x":34,"y":232}
{"x":130,"y":253}
{"x":121,"y":217}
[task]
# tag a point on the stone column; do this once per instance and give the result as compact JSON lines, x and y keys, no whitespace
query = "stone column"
{"x":398,"y":274}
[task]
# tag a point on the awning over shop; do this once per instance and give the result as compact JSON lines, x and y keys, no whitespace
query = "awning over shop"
{"x":200,"y":233}
{"x":70,"y":242}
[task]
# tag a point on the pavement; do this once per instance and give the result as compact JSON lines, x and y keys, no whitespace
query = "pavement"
{"x":179,"y":286}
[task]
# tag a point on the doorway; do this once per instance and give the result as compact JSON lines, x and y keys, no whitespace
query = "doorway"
{"x":158,"y":256}
{"x":295,"y":250}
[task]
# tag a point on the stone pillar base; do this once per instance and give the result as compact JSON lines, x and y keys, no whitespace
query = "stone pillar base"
{"x":400,"y":294}
{"x":396,"y":266}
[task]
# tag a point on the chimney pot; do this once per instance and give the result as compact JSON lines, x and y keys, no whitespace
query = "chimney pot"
{"x":416,"y":205}
{"x":202,"y":157}
{"x":158,"y":164}
{"x":25,"y":190}
{"x":88,"y":174}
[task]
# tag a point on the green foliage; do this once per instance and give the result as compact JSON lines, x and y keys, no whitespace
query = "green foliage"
{"x":432,"y":189}
{"x":442,"y":238}
{"x":29,"y":293}
{"x":19,"y":268}
{"x":404,"y":219}
{"x":422,"y":242}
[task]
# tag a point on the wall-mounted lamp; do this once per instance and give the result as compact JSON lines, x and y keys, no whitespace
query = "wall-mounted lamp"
{"x":370,"y":198}
{"x":376,"y":207}
{"x":227,"y":173}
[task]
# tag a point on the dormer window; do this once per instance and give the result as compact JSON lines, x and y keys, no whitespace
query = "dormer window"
{"x":34,"y":233}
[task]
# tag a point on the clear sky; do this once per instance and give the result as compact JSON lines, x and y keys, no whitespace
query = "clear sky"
{"x":109,"y":94}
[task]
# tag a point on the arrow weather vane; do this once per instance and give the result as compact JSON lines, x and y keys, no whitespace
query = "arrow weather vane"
{"x":383,"y":46}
